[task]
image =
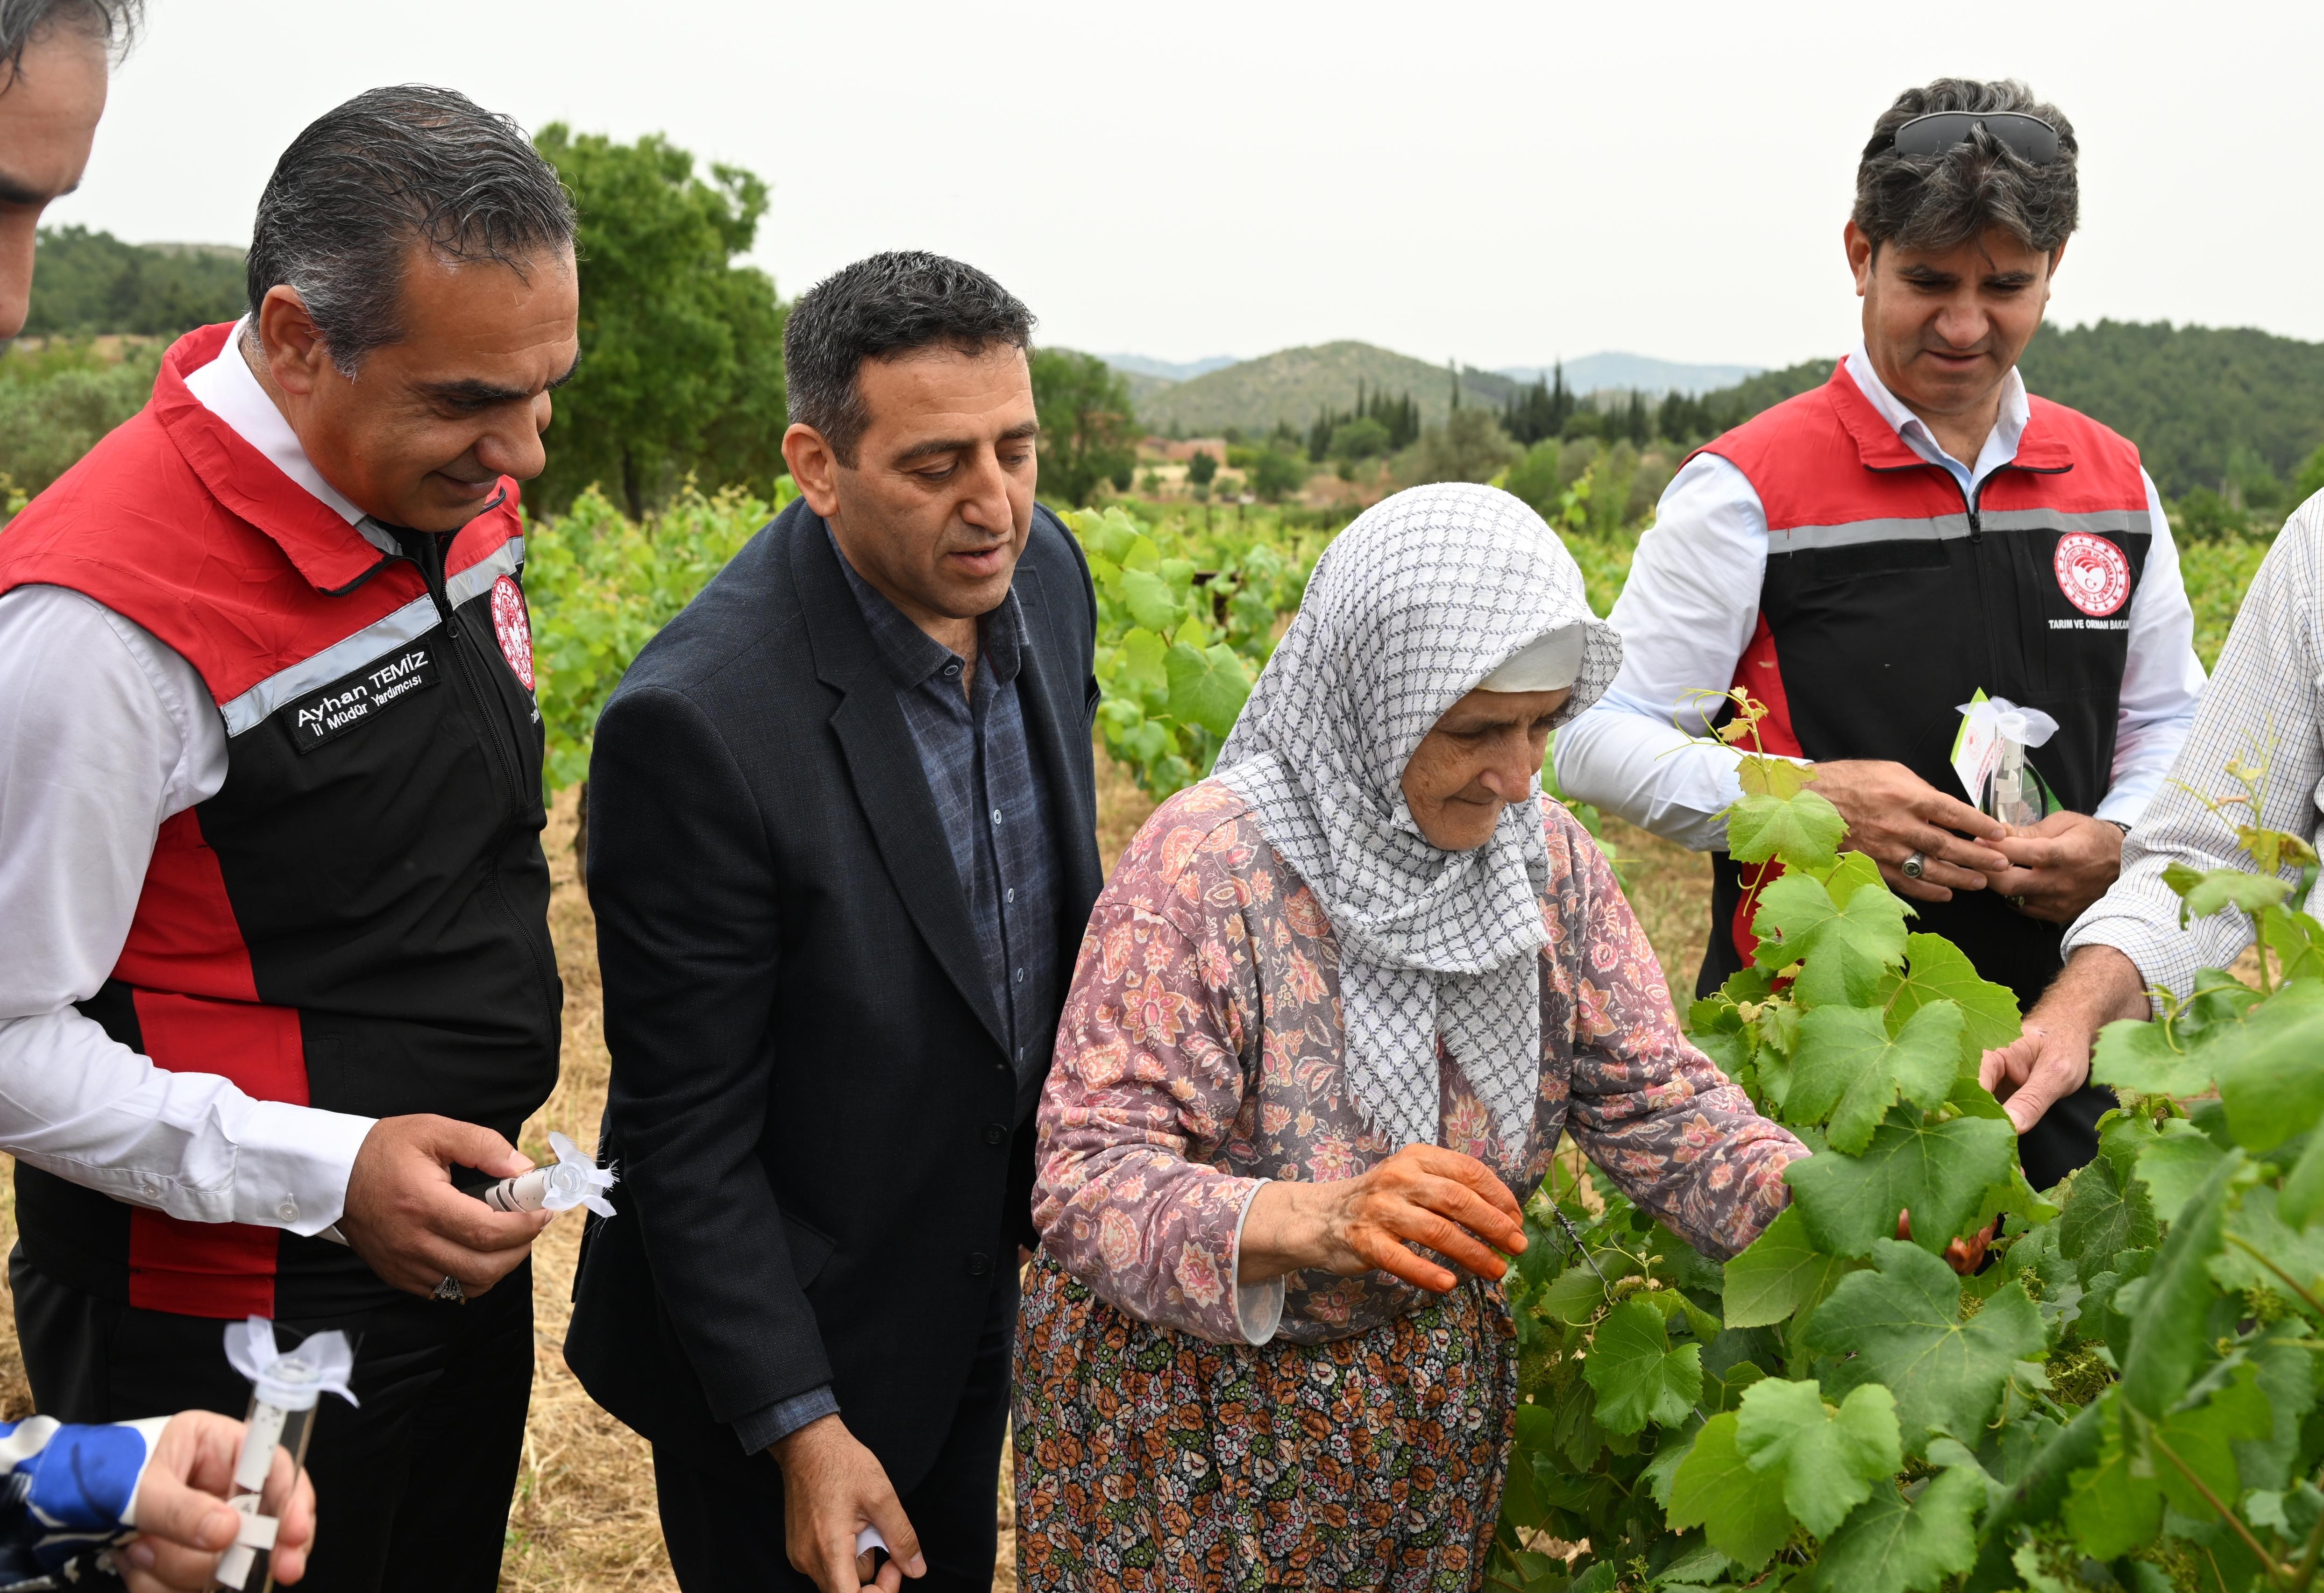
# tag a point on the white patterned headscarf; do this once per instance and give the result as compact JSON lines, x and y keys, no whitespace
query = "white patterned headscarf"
{"x":1413,"y":606}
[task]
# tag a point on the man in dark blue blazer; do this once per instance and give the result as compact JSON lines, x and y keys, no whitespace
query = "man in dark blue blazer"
{"x":842,"y":847}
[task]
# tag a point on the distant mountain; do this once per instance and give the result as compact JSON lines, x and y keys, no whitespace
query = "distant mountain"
{"x":1138,"y":364}
{"x":1295,"y":385}
{"x":1625,"y":372}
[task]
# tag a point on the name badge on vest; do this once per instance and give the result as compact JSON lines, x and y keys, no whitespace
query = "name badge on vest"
{"x":355,"y":700}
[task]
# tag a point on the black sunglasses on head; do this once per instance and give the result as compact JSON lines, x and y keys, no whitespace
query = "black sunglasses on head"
{"x":2029,"y":138}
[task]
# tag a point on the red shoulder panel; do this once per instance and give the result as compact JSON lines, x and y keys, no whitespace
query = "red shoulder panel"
{"x":142,"y":528}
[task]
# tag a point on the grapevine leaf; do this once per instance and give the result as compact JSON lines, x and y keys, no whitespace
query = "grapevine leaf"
{"x":2298,"y":940}
{"x":1891,"y":1545}
{"x":2110,"y":1512}
{"x":1763,"y":776}
{"x":1848,"y":1069}
{"x":2303,"y":1186}
{"x":1936,"y":970}
{"x":1829,"y":1459}
{"x":1938,"y":1172}
{"x":2222,"y":888}
{"x":2103,"y":1218}
{"x":1150,"y":600}
{"x":1207,"y":688}
{"x":2173,"y":1163}
{"x":2258,"y":1224}
{"x":2167,"y":1338}
{"x":1802,"y":829}
{"x":2115,"y":1506}
{"x":2135,"y":1053}
{"x":2286,"y":1372}
{"x":1741,"y":1510}
{"x":1899,"y":1326}
{"x":1669,"y":1455}
{"x":1781,"y":1272}
{"x":1574,"y":1298}
{"x":1847,"y":949}
{"x":1849,"y":872}
{"x":1639,"y":1376}
{"x":1141,"y":656}
{"x":1140,"y":553}
{"x":2271,"y":1069}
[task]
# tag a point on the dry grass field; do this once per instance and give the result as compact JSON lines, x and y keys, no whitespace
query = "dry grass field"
{"x":583,"y":1518}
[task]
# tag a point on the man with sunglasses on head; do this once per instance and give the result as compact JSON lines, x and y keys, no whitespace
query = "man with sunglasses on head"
{"x":1866,"y":558}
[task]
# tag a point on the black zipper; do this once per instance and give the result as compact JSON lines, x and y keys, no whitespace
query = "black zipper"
{"x":482,"y":693}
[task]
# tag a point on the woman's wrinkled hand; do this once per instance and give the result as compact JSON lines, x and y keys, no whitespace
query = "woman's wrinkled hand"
{"x":1424,"y":1195}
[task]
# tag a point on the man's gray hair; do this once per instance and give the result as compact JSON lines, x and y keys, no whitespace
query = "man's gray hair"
{"x":111,"y":22}
{"x":391,"y":167}
{"x":1939,"y":202}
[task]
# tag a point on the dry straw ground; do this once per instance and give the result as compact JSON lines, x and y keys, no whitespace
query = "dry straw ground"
{"x":583,"y":1517}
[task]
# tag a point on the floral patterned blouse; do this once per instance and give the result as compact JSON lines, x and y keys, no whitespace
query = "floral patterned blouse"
{"x":1199,"y":1056}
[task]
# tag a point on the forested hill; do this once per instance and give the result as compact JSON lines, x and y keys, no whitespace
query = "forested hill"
{"x":2208,"y":406}
{"x":86,"y":283}
{"x":1293,"y":385}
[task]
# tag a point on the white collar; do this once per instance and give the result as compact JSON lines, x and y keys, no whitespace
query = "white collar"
{"x":229,"y":389}
{"x":2000,"y":444}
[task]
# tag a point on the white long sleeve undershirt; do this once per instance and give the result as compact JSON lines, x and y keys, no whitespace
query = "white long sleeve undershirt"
{"x":104,"y":734}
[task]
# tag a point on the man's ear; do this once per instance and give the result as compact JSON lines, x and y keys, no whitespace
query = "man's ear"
{"x":1861,"y":253}
{"x":813,"y":467}
{"x":294,"y":348}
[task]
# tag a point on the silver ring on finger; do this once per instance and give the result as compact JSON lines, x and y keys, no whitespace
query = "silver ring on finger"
{"x":1914,"y":866}
{"x":450,"y":1291}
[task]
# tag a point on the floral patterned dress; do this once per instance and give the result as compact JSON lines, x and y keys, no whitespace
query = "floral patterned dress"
{"x":1175,"y":1431}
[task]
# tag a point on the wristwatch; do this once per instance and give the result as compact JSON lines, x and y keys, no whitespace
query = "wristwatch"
{"x":2118,"y":824}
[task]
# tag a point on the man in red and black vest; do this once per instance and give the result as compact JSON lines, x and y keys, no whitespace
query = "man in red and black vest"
{"x":276,"y":976}
{"x":1866,"y":558}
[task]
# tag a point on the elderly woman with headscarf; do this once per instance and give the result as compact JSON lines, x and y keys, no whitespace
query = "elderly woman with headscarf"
{"x":1329,"y":1016}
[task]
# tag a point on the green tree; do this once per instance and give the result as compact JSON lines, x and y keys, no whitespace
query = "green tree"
{"x":1361,"y":438}
{"x":1538,"y":478}
{"x":1470,"y":446}
{"x":1200,"y":468}
{"x":681,"y":349}
{"x":87,"y":282}
{"x":1089,"y":432}
{"x":1277,"y":472}
{"x":2310,"y":480}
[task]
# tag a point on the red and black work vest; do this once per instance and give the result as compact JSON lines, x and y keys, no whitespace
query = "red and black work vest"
{"x":358,"y":919}
{"x":1891,"y":597}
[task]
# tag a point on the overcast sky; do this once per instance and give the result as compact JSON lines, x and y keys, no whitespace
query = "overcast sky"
{"x":1499,"y":183}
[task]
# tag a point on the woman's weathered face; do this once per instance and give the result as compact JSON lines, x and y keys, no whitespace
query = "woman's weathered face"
{"x":1479,"y":758}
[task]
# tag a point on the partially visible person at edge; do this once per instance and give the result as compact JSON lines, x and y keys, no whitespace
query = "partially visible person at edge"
{"x":145,"y":1499}
{"x":2264,"y":709}
{"x":842,"y":843}
{"x":1866,"y":557}
{"x":273,"y":947}
{"x":1338,"y":1001}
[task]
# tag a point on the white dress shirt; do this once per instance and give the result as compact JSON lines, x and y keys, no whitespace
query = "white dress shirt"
{"x":106,"y":733}
{"x":2265,"y":705}
{"x":1692,"y":600}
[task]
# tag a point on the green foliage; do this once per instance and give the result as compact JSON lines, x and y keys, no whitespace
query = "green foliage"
{"x":1875,"y":1412}
{"x":1470,"y":446}
{"x":1186,"y":615}
{"x":86,"y":283}
{"x":57,"y":404}
{"x":681,"y":375}
{"x":1277,"y":472}
{"x":600,"y":585}
{"x":1089,"y":433}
